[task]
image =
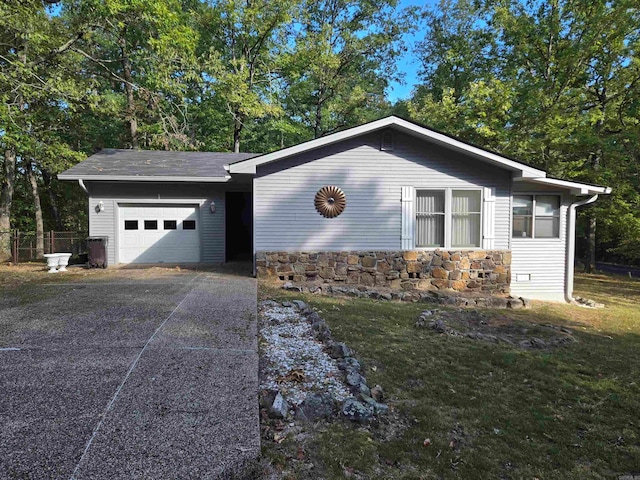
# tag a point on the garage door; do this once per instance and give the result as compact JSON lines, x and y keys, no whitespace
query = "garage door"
{"x":159,"y":234}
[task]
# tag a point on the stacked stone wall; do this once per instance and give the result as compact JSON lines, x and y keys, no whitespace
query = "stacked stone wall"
{"x":459,"y":270}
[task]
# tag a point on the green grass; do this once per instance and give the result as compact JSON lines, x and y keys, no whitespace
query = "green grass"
{"x":569,"y":412}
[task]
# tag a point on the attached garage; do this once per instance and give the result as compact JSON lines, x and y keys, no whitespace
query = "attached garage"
{"x":167,"y":207}
{"x":158,"y":233}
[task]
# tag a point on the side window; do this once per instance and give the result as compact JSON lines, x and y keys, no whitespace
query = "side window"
{"x":547,"y":216}
{"x":522,"y":216}
{"x":188,"y":224}
{"x":536,"y":216}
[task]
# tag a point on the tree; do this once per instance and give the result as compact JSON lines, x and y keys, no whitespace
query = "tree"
{"x":344,"y":54}
{"x":32,"y":47}
{"x":556,"y":86}
{"x":239,"y":58}
{"x":139,"y":57}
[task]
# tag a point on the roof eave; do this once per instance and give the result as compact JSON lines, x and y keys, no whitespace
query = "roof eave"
{"x":143,"y":178}
{"x":575,"y":188}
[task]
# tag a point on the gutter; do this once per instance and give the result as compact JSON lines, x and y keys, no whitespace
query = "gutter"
{"x":83,"y":186}
{"x":571,"y":246}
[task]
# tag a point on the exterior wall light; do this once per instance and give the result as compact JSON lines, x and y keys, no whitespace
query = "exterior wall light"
{"x":100,"y":207}
{"x":212,"y":207}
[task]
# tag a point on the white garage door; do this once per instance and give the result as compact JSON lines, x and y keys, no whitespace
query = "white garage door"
{"x":159,"y":234}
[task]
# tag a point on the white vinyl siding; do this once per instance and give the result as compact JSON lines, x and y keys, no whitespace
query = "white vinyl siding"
{"x":538,"y":264}
{"x":373,"y":181}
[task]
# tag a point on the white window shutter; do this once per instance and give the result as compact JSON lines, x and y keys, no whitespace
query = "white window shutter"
{"x":408,"y":218}
{"x":489,"y":218}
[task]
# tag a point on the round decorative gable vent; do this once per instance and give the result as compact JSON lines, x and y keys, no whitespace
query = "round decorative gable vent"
{"x":330,"y":201}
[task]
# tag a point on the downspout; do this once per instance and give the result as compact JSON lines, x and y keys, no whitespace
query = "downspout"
{"x":82,"y":186}
{"x":571,"y":246}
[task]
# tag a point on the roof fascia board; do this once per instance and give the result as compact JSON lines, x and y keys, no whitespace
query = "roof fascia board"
{"x":145,"y":178}
{"x":576,"y":188}
{"x":521,"y":170}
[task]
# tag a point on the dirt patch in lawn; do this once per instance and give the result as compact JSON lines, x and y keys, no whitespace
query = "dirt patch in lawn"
{"x":494,"y":328}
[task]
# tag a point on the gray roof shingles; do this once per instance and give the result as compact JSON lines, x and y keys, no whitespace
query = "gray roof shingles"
{"x":155,"y":163}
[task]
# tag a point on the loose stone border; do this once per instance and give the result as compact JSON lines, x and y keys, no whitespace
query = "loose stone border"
{"x":298,"y":350}
{"x":437,"y":298}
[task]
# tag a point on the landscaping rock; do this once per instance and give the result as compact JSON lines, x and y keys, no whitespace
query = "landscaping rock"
{"x":438,"y":325}
{"x":361,"y":390}
{"x":356,"y":411}
{"x":349,"y":364}
{"x":354,"y":378}
{"x":378,"y":408}
{"x":315,"y":407}
{"x":279,"y":408}
{"x":300,"y":305}
{"x":291,"y":287}
{"x":339,"y":350}
{"x":377,"y":393}
{"x":515,"y":303}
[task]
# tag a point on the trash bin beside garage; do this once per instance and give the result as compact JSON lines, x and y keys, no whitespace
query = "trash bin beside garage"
{"x":97,"y":252}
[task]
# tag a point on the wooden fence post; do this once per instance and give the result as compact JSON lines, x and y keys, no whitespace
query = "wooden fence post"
{"x":52,"y":242}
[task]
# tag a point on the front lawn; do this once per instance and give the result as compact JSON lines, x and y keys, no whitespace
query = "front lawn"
{"x":488,"y":410}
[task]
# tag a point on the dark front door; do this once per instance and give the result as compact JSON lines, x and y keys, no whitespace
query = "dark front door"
{"x":239,"y":225}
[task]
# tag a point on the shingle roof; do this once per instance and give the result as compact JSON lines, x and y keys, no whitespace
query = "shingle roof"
{"x":111,"y":162}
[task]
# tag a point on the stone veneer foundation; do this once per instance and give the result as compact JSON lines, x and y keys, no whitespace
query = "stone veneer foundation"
{"x":459,"y":270}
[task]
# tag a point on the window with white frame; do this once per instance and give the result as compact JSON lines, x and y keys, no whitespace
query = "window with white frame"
{"x":448,"y":218}
{"x":466,"y":211}
{"x":430,"y":218}
{"x":536,"y":216}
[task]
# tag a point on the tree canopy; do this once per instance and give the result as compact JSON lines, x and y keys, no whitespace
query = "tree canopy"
{"x":555,"y":83}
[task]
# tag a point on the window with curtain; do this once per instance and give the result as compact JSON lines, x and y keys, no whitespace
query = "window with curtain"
{"x":536,"y":216}
{"x":466,"y":208}
{"x":430,"y":217}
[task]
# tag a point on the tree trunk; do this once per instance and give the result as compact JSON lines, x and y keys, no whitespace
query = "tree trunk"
{"x":590,"y":261}
{"x":53,"y":199}
{"x":237,"y":130}
{"x":317,"y":126}
{"x":596,"y":160}
{"x":37,"y":208}
{"x":128,"y":88}
{"x":6,"y":198}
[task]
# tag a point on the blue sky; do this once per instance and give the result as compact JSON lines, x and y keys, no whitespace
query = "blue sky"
{"x":408,"y":63}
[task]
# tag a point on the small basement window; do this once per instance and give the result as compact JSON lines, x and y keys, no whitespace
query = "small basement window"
{"x":131,"y":224}
{"x":170,"y":224}
{"x":188,"y":224}
{"x":150,"y":224}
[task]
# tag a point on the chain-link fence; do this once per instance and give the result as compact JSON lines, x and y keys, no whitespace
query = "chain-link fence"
{"x":24,"y":245}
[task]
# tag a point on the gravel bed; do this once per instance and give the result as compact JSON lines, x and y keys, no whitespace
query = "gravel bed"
{"x":294,"y":361}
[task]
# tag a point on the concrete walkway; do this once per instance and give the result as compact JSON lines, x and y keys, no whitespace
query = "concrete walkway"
{"x":130,"y":378}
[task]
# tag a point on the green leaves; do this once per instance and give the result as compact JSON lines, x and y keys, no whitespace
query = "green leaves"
{"x":554,"y":83}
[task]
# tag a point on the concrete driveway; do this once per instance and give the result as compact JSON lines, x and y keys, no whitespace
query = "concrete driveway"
{"x":129,"y":375}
